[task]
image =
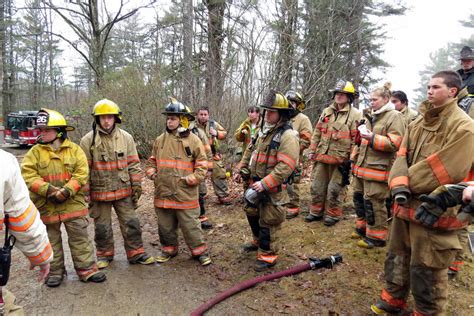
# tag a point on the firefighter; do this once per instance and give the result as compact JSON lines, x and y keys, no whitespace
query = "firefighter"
{"x":302,"y":125}
{"x":205,"y":223}
{"x":247,"y":131}
{"x":177,"y":165}
{"x":115,"y":181}
{"x":248,"y":128}
{"x":55,"y":171}
{"x":23,"y":223}
{"x":215,"y":133}
{"x":433,"y":153}
{"x":267,"y":163}
{"x":465,"y":102}
{"x":400,"y":101}
{"x":331,"y":144}
{"x":381,"y":137}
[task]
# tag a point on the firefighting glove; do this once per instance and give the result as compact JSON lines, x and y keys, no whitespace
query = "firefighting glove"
{"x":51,"y":191}
{"x":469,"y":208}
{"x":430,"y":210}
{"x":466,"y":214}
{"x":60,"y":196}
{"x":136,"y":194}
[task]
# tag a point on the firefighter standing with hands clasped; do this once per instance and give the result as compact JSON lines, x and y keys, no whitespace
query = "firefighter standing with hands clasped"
{"x":55,"y":171}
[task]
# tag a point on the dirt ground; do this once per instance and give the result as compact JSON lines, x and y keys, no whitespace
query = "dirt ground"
{"x":181,"y":285}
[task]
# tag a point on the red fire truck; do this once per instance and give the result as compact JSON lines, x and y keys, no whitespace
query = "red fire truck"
{"x":20,"y":128}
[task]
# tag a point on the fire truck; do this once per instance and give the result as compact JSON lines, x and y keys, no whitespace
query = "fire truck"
{"x":20,"y":128}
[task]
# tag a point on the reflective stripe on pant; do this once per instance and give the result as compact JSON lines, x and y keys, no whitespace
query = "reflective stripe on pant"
{"x":375,"y":195}
{"x":418,"y":258}
{"x":101,"y":212}
{"x":464,"y":254}
{"x":218,"y":179}
{"x":168,"y":222}
{"x":82,"y":251}
{"x":325,"y":190}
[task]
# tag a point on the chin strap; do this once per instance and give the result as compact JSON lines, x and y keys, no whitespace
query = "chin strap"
{"x":39,"y":139}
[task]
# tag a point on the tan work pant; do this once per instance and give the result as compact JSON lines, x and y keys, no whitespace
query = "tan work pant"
{"x":82,"y":251}
{"x":418,"y":259}
{"x":325,"y":191}
{"x":168,"y":222}
{"x":101,"y":212}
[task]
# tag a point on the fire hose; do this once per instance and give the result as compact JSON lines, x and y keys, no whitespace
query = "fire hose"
{"x":313,"y":264}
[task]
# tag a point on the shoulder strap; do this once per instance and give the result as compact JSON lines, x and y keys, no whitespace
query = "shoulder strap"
{"x":275,"y":143}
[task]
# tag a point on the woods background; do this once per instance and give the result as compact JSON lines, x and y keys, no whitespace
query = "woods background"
{"x":224,"y":54}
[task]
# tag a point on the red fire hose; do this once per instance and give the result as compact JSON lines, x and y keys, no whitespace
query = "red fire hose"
{"x":313,"y":264}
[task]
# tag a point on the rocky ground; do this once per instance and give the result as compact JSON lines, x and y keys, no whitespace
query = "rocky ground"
{"x":181,"y":285}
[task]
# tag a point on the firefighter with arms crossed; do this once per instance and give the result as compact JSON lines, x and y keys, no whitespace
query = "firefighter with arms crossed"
{"x":433,"y":153}
{"x":269,"y":162}
{"x":115,"y":181}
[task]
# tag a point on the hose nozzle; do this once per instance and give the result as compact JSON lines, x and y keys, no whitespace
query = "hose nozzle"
{"x":328,"y":262}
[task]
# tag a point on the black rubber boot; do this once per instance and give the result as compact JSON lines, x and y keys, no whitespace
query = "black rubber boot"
{"x":312,"y":218}
{"x":97,"y":278}
{"x":202,"y":205}
{"x":369,"y":212}
{"x":329,"y":221}
{"x":254,"y":225}
{"x":261,"y":266}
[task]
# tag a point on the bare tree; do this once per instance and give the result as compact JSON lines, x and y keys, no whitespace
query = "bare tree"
{"x":93,"y":26}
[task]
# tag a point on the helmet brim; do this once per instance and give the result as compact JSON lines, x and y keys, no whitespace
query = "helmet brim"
{"x":265,"y":107}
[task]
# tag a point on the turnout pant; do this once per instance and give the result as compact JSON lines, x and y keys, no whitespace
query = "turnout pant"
{"x":82,"y":251}
{"x":101,"y":212}
{"x":326,"y":187}
{"x":294,"y":191}
{"x":168,"y":222}
{"x":373,"y":216}
{"x":418,"y":260}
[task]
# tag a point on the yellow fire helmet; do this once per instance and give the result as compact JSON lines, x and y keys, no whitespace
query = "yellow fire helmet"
{"x":344,"y":87}
{"x":107,"y":107}
{"x":276,"y":101}
{"x":51,"y":118}
{"x":294,"y":96}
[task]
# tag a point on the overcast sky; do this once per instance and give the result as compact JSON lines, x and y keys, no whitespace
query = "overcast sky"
{"x":428,"y":26}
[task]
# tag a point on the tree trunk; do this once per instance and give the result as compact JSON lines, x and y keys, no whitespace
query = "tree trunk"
{"x":214,"y":78}
{"x":188,"y":33}
{"x":3,"y":52}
